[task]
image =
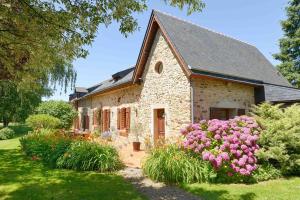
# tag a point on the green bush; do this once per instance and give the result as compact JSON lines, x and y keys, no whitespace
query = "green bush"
{"x":43,"y":121}
{"x":6,"y":133}
{"x":45,"y":145}
{"x":173,"y":165}
{"x":280,"y":138}
{"x":87,"y":156}
{"x":59,"y":109}
{"x":266,"y":172}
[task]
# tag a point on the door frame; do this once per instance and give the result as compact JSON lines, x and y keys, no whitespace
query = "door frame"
{"x":152,"y":123}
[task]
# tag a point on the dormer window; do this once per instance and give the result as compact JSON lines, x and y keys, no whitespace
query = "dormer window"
{"x":158,"y":67}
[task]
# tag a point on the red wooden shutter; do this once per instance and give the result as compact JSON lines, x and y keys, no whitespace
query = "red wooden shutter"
{"x":108,"y":119}
{"x":118,"y":118}
{"x":122,"y":120}
{"x":103,"y":120}
{"x":127,"y":118}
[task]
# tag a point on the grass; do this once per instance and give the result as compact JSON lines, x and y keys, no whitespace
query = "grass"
{"x":281,"y":189}
{"x":21,"y":178}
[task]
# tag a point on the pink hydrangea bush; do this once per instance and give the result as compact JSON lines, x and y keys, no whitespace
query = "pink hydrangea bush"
{"x":229,"y":146}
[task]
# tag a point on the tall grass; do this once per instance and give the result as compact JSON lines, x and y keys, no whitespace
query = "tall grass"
{"x":87,"y":156}
{"x":173,"y":165}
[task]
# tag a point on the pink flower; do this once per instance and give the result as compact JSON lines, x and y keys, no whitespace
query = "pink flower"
{"x":217,"y":137}
{"x":225,"y":156}
{"x":211,"y":157}
{"x":205,"y":155}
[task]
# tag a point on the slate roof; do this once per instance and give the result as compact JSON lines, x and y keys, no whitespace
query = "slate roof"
{"x":208,"y":51}
{"x":212,"y":54}
{"x":122,"y":77}
{"x":275,"y":93}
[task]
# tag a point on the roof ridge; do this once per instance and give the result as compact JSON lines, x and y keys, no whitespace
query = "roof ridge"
{"x":208,"y":29}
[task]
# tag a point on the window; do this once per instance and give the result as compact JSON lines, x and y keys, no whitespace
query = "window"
{"x":241,"y":112}
{"x":123,"y":118}
{"x":158,"y":67}
{"x":225,"y":113}
{"x":219,"y":113}
{"x":106,"y":120}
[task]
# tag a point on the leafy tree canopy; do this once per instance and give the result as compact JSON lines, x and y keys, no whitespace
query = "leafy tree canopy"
{"x":39,"y":39}
{"x":290,"y":44}
{"x":59,"y":109}
{"x":17,"y":102}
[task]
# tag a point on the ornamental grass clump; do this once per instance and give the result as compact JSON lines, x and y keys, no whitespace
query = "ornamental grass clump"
{"x":229,"y":146}
{"x":88,"y":156}
{"x":171,"y":164}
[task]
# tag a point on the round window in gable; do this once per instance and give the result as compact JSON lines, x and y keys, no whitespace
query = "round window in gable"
{"x":159,"y":67}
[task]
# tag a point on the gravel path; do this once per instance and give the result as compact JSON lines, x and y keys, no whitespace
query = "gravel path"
{"x":154,"y":190}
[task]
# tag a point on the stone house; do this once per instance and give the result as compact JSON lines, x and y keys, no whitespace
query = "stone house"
{"x":184,"y":73}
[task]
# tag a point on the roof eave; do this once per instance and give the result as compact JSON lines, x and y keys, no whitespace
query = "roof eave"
{"x":212,"y":75}
{"x":126,"y":84}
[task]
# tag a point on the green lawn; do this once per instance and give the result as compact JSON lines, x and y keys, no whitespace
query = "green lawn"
{"x":282,"y":189}
{"x":21,"y":178}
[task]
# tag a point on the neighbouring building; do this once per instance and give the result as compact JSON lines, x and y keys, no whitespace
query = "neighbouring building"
{"x":184,"y":73}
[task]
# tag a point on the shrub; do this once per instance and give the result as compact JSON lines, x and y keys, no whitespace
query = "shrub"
{"x":86,"y":156}
{"x":266,"y":172}
{"x":43,"y":121}
{"x":174,"y":165}
{"x":59,"y":109}
{"x":6,"y":133}
{"x":45,"y":145}
{"x":280,"y":138}
{"x":228,"y":145}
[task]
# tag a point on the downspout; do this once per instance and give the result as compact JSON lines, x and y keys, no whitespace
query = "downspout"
{"x":192,"y":102}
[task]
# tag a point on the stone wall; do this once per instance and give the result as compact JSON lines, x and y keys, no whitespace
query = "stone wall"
{"x":125,"y":97}
{"x":209,"y":93}
{"x":169,"y":90}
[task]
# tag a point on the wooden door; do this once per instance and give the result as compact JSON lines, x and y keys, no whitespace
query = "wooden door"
{"x":160,"y":124}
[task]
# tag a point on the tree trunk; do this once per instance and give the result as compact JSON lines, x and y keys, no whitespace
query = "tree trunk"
{"x":5,"y":122}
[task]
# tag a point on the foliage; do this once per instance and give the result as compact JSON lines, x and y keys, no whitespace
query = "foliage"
{"x":266,"y":172}
{"x":228,"y":145}
{"x":6,"y":133}
{"x":40,"y":39}
{"x":60,"y":150}
{"x":59,"y":109}
{"x":17,"y":102}
{"x":22,"y":179}
{"x":89,"y":156}
{"x":43,"y":121}
{"x":173,"y":165}
{"x":45,"y":145}
{"x":280,"y":138}
{"x":290,"y":44}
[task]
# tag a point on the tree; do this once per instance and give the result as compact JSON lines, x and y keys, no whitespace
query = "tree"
{"x":290,"y":44}
{"x":39,"y":39}
{"x":17,"y":102}
{"x":59,"y":109}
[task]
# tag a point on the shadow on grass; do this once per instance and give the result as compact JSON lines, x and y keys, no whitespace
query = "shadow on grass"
{"x":220,"y":194}
{"x":21,"y":178}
